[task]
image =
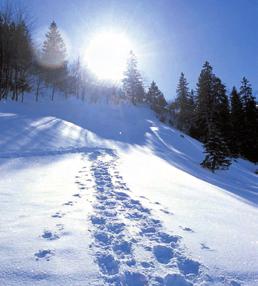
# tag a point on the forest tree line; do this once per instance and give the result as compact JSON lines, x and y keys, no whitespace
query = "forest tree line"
{"x":227,"y":125}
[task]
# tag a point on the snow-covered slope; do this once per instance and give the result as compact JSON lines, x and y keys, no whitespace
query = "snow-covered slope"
{"x":97,"y":194}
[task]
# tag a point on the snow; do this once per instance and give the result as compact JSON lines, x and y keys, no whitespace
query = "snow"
{"x":105,"y":194}
{"x":42,"y":240}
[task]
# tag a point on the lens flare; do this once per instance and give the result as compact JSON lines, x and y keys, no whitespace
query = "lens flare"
{"x":107,"y":54}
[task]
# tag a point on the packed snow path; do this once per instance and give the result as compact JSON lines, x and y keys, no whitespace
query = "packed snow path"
{"x":129,"y":245}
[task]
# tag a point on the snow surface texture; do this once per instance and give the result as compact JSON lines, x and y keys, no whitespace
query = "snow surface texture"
{"x":107,"y":195}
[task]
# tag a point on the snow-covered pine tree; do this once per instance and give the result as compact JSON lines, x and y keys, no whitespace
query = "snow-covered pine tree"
{"x":155,"y":98}
{"x":54,"y":58}
{"x":236,"y":120}
{"x":216,"y":150}
{"x":249,"y":136}
{"x":184,"y":105}
{"x":132,"y":82}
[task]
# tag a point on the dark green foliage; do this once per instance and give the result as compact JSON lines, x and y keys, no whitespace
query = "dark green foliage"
{"x":155,"y":98}
{"x":212,"y":119}
{"x":204,"y":111}
{"x":15,"y":55}
{"x":221,"y":114}
{"x":132,"y":82}
{"x":184,"y":106}
{"x":211,"y":105}
{"x":236,"y":120}
{"x":216,"y":151}
{"x":249,"y":134}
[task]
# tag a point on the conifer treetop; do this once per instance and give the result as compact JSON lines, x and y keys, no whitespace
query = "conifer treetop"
{"x":53,"y":50}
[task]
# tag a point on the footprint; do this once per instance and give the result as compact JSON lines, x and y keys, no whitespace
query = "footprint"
{"x":102,"y":197}
{"x":69,"y":203}
{"x":49,"y":235}
{"x":121,"y":195}
{"x":134,"y":279}
{"x":103,"y":238}
{"x":188,"y":266}
{"x":167,"y":238}
{"x":77,"y":195}
{"x":205,"y":247}
{"x":58,"y":215}
{"x":116,"y":227}
{"x":143,"y":197}
{"x":176,"y":279}
{"x":122,"y":247}
{"x":110,"y":203}
{"x":44,"y":254}
{"x":166,"y":212}
{"x":107,"y":264}
{"x":163,"y":253}
{"x":110,"y":213}
{"x":135,"y":215}
{"x":156,"y":221}
{"x":98,"y":220}
{"x":131,"y":262}
{"x":145,"y":264}
{"x":148,"y":230}
{"x":186,"y":229}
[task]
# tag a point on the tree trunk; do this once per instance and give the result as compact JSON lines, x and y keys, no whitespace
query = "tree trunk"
{"x":53,"y":93}
{"x":37,"y":90}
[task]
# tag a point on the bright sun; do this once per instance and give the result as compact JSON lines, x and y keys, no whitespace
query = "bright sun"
{"x":107,"y":54}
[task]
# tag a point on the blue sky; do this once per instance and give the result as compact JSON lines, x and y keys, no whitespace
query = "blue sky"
{"x":171,"y":36}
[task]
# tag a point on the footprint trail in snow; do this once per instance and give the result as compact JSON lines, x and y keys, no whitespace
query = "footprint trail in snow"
{"x":130,"y":245}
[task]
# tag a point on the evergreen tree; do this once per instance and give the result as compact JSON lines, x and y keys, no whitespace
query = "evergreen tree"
{"x":216,"y":150}
{"x":54,"y":50}
{"x":192,"y":104}
{"x":212,"y":119}
{"x":204,"y":111}
{"x":236,"y":120}
{"x":221,"y":114}
{"x":132,"y":82}
{"x":184,"y":105}
{"x":54,"y":58}
{"x":15,"y":55}
{"x":249,"y":136}
{"x":155,"y":98}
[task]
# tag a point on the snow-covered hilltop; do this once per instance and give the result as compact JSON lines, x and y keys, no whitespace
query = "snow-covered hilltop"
{"x":105,"y":194}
